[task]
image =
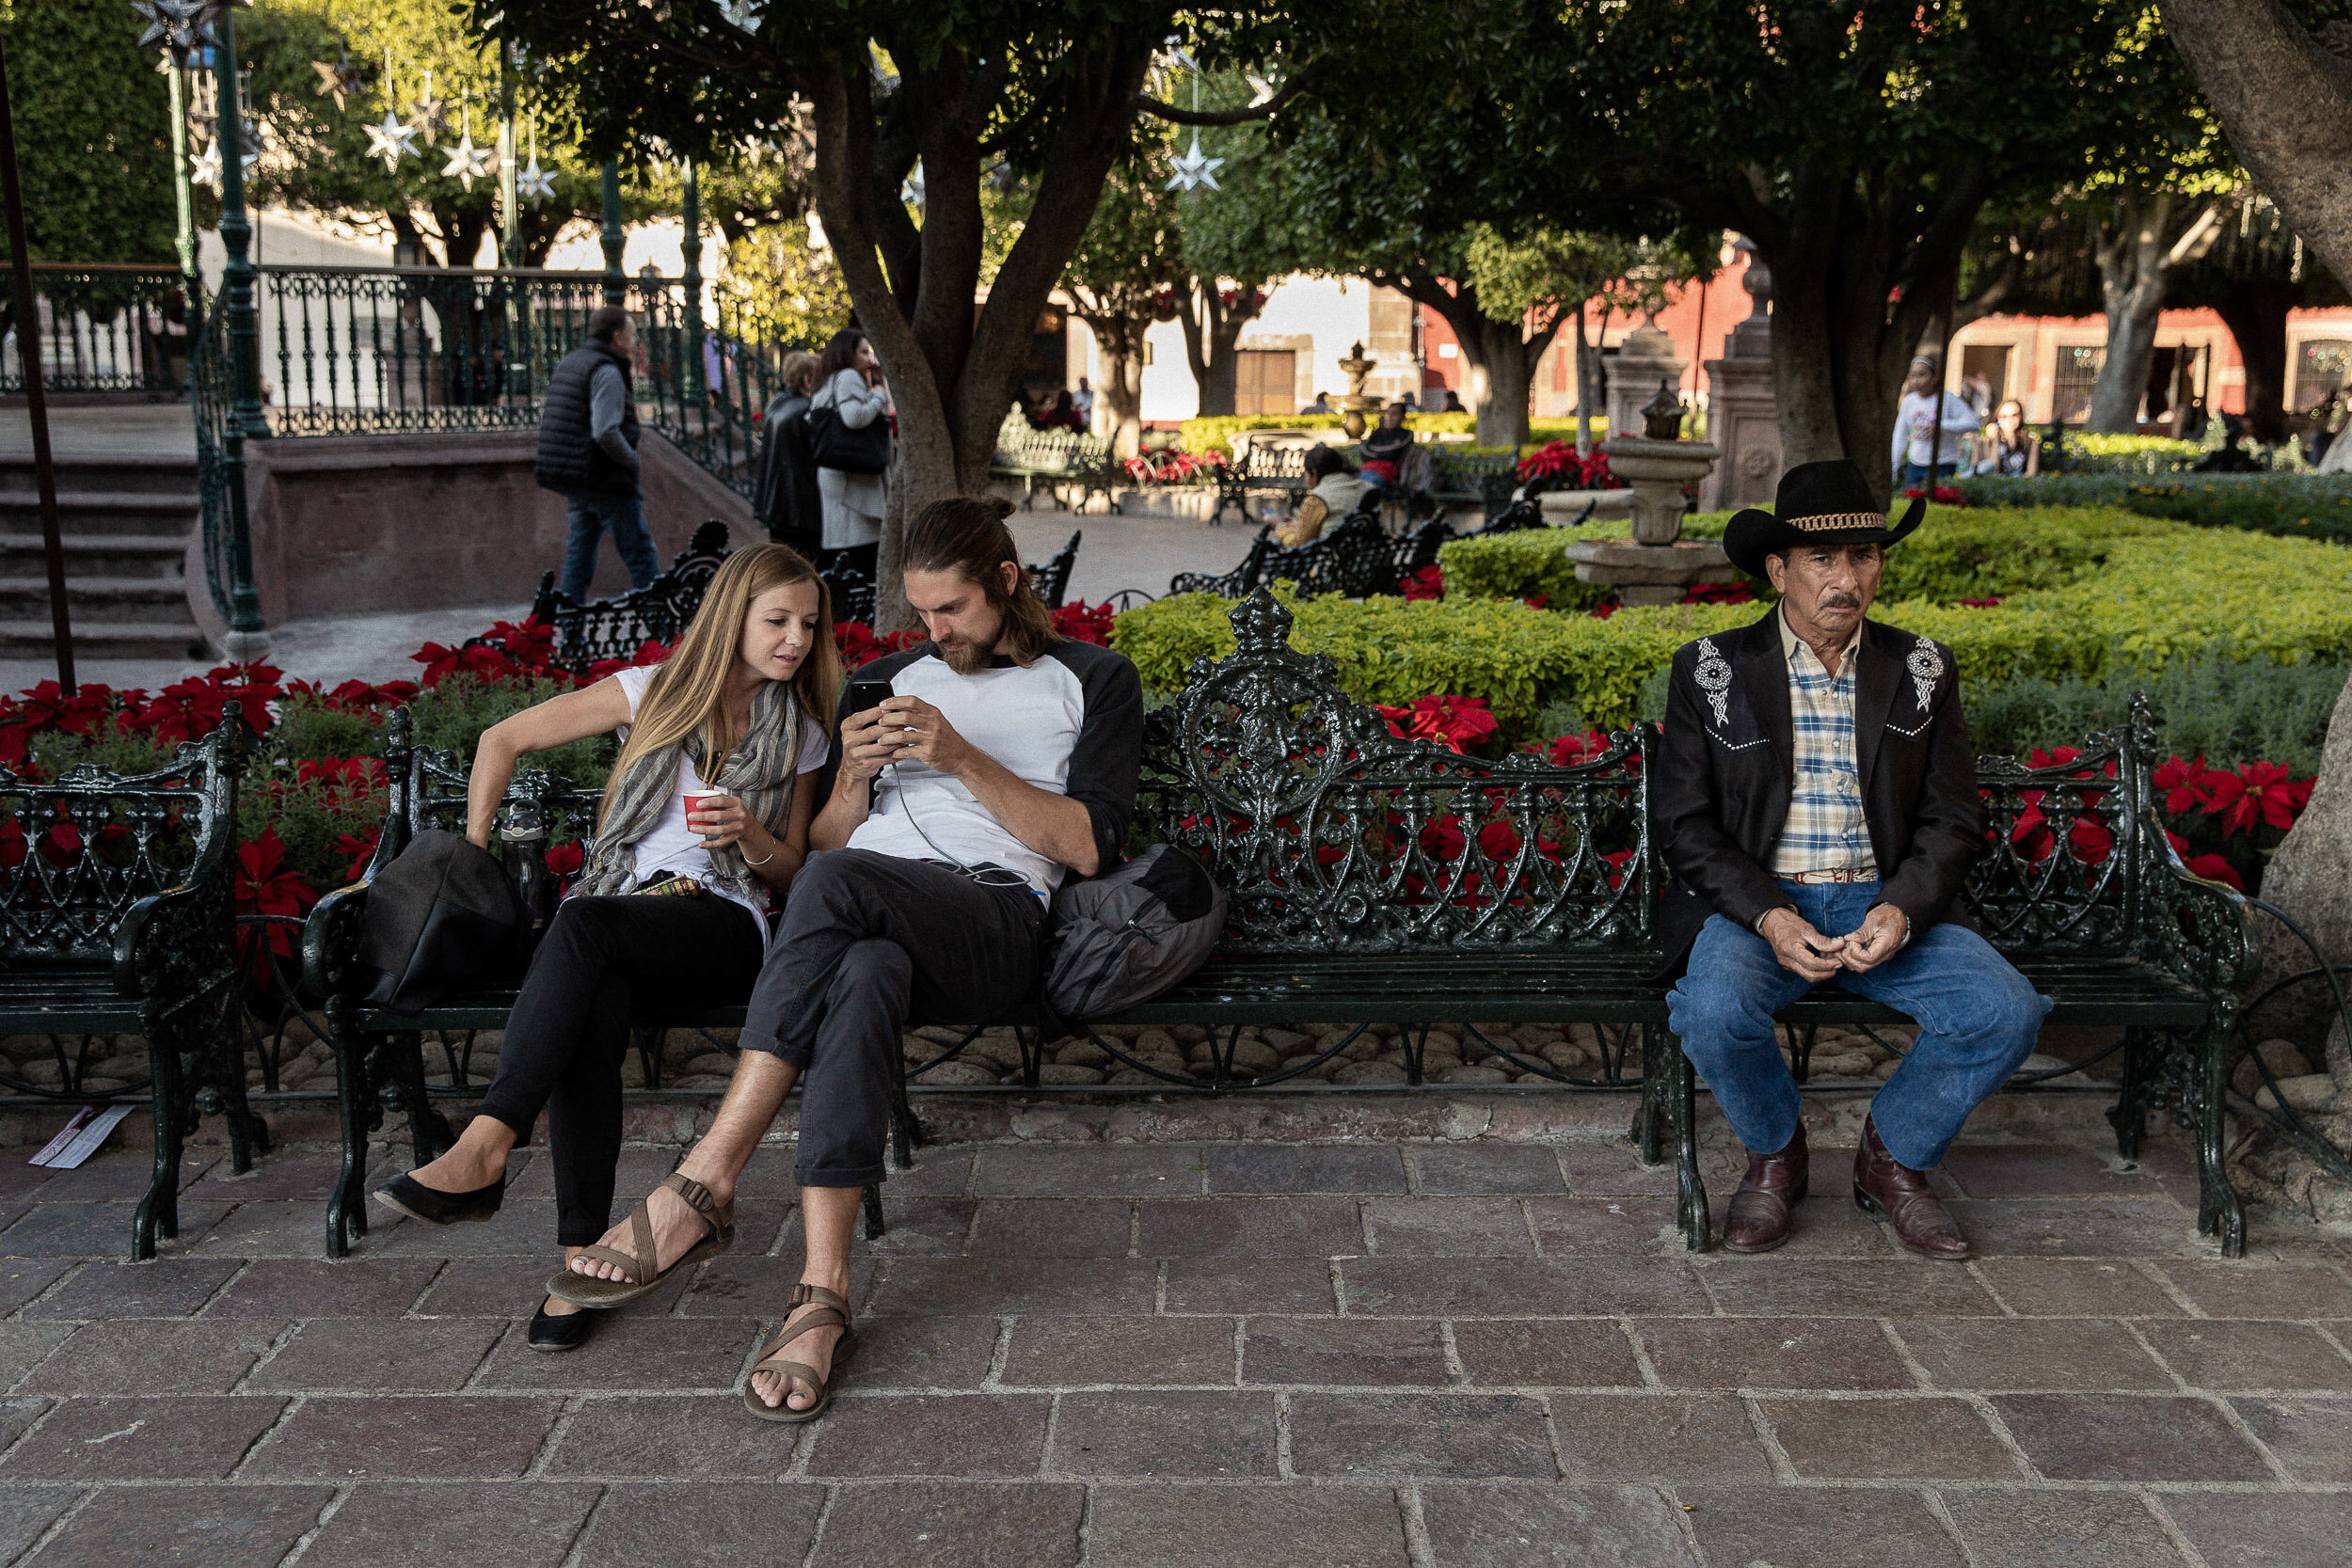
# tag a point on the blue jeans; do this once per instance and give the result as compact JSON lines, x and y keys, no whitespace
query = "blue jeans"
{"x":1916,"y":474}
{"x":1977,"y":1018}
{"x":591,"y":514}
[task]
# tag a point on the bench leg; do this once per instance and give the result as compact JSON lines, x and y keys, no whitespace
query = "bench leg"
{"x":429,"y":1135}
{"x":248,"y":1134}
{"x":2219,"y":1214}
{"x":2128,"y":1116}
{"x":1682,"y":1106}
{"x":1650,"y":1119}
{"x":357,"y":1115}
{"x":158,"y":1212}
{"x":872,"y":1204}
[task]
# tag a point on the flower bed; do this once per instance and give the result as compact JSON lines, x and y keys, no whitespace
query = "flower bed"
{"x":2311,"y":506}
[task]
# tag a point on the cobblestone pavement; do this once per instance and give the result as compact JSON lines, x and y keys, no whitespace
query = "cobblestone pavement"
{"x":1466,"y":1356}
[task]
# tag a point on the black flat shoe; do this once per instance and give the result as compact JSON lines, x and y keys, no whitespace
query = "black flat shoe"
{"x":560,"y":1334}
{"x":418,"y":1201}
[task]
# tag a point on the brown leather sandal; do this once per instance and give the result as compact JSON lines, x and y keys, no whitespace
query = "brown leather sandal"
{"x":639,"y":1276}
{"x":831,"y":1312}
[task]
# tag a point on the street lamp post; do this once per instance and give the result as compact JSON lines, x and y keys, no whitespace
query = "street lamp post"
{"x":691,"y":280}
{"x":248,"y":640}
{"x":184,"y":200}
{"x":615,"y":282}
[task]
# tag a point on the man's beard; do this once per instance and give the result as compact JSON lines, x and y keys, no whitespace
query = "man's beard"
{"x":977,"y":653}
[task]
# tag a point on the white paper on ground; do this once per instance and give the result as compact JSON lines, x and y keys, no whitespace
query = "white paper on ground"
{"x":81,"y":1137}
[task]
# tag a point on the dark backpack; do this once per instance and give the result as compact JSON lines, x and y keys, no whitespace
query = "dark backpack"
{"x":834,"y":445}
{"x":443,"y":914}
{"x":1123,"y":938}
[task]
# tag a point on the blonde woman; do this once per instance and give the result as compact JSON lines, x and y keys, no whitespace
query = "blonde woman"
{"x":733,"y":720}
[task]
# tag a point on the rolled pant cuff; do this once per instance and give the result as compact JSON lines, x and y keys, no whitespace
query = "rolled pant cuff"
{"x":769,"y":1045}
{"x":843,"y":1176}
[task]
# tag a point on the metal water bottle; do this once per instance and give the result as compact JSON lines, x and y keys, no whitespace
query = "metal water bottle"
{"x":525,"y":839}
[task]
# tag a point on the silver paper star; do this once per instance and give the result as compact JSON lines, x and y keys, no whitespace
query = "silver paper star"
{"x":1193,"y":170}
{"x":910,"y":188}
{"x":341,"y":81}
{"x":533,"y":184}
{"x":429,"y":116}
{"x":743,"y":13}
{"x":204,"y":169}
{"x":1261,"y":88}
{"x":391,"y":140}
{"x":180,"y":25}
{"x":469,"y":162}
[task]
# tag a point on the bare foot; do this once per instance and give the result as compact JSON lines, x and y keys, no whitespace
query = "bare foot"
{"x":813,"y":1347}
{"x":676,"y":1228}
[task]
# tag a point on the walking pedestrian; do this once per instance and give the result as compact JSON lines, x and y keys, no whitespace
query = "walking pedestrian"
{"x":850,"y":386}
{"x":588,"y":453}
{"x":784,"y":494}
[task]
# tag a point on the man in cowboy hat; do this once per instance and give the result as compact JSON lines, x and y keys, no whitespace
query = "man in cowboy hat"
{"x":1815,"y":798}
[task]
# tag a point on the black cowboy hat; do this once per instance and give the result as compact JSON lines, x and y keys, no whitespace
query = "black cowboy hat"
{"x":1818,"y":503}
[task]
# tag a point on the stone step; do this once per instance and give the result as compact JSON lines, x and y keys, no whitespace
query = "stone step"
{"x":97,"y":555}
{"x":29,"y":639}
{"x":147,"y":475}
{"x":91,"y":511}
{"x":107,"y":602}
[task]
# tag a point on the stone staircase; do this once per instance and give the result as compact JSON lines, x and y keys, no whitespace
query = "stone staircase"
{"x":126,"y":522}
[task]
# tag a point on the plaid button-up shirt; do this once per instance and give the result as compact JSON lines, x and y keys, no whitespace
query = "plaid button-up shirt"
{"x":1825,"y":830}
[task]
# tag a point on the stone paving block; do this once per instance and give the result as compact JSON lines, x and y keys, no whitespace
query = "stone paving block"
{"x":1448,"y":1227}
{"x":702,"y":1437}
{"x":1659,"y":1437}
{"x":1466,"y":1168}
{"x":17,"y":1414}
{"x":282,"y":1177}
{"x":2078,"y":1227}
{"x":1344,"y":1353}
{"x":1088,"y":1170}
{"x":2264,"y":1530}
{"x":24,"y":1346}
{"x":1516,"y":1287}
{"x":404,"y":1437}
{"x":430,"y":1524}
{"x":314,"y":1287}
{"x":1471,"y":1436}
{"x":1611,"y":1169}
{"x":26,"y":1511}
{"x":1560,"y":1352}
{"x":411,"y":1356}
{"x":193,"y":1357}
{"x":1290,"y":1526}
{"x":122,"y":1175}
{"x":923,"y":1524}
{"x":657,"y":1354}
{"x":728,"y":1523}
{"x":530,"y":1174}
{"x":2030,"y":1353}
{"x":23,"y":1278}
{"x":1062,"y":1352}
{"x":166,"y":1288}
{"x":1054,"y":1227}
{"x":2065,"y":1287}
{"x":97,"y":1229}
{"x":736,"y":1286}
{"x":1189,"y":1435}
{"x":1553,"y":1526}
{"x":912,"y":1226}
{"x":1233,"y":1286}
{"x":1304,"y":1168}
{"x":931,"y":1434}
{"x":1591,"y":1227}
{"x":937,"y":1173}
{"x":1787,"y":1527}
{"x":925,"y":1353}
{"x":201,"y":1526}
{"x":2061,"y":1529}
{"x":1920,"y":1438}
{"x":191,"y":1437}
{"x":1771,"y":1353}
{"x":287,"y":1227}
{"x":1250,"y":1228}
{"x":1770,"y":1285}
{"x":2313,"y":1438}
{"x":962,"y":1286}
{"x":2212,"y":1353}
{"x":2251,"y":1290}
{"x":522,"y":1224}
{"x":2128,"y":1437}
{"x":2044,"y":1170}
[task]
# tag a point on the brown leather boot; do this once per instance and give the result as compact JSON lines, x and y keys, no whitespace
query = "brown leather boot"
{"x":1775,"y":1185}
{"x":1886,"y":1188}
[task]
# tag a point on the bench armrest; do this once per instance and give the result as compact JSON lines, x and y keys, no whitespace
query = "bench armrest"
{"x":2204,"y":931}
{"x":330,"y":940}
{"x":165,"y":935}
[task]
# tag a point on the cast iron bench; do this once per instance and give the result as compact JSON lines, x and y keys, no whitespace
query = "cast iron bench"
{"x":1056,"y":456}
{"x":118,"y":917}
{"x":1357,"y":558}
{"x":588,"y":631}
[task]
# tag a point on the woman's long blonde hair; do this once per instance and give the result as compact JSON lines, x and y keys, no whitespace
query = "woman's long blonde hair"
{"x":688,"y":692}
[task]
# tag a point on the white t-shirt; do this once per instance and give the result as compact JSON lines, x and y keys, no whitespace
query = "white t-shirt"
{"x":670,"y":844}
{"x":1915,"y":433}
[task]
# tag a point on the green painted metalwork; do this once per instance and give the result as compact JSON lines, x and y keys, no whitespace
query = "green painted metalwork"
{"x":610,"y":235}
{"x":99,"y":327}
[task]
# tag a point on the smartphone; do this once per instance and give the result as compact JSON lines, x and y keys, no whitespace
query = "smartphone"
{"x":863,"y":694}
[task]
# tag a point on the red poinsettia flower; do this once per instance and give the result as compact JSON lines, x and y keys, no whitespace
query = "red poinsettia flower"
{"x":1604,"y":609}
{"x":2181,"y":784}
{"x":356,"y":850}
{"x":2258,"y":793}
{"x":1458,"y":724}
{"x":1085,"y":622}
{"x":1442,"y":838}
{"x":265,"y":884}
{"x":1617,"y":863}
{"x":1567,"y":751}
{"x":1719,"y":592}
{"x":1427,"y":584}
{"x":2214,"y":868}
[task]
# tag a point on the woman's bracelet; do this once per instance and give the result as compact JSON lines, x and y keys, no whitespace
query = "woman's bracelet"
{"x":748,"y":861}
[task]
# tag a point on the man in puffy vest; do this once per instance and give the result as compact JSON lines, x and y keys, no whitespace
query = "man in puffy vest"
{"x":588,"y":453}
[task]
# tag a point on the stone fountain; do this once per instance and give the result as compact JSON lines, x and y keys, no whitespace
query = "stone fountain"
{"x":1352,"y":404}
{"x":1657,"y":565}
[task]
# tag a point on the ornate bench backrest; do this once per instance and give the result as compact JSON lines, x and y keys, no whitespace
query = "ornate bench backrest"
{"x":1332,"y":836}
{"x":1052,"y":580}
{"x":2072,"y":846}
{"x":77,"y":852}
{"x":617,"y":629}
{"x":428,"y":790}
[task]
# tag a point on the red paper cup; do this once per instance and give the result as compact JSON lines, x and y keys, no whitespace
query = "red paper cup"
{"x":694,"y":802}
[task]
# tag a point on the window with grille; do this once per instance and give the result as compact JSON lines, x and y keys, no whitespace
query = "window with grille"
{"x":2077,"y":369}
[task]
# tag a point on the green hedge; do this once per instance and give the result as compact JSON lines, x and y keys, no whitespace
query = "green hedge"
{"x":2312,"y":506}
{"x":2090,"y":452}
{"x":2096,"y":595}
{"x":1211,"y":432}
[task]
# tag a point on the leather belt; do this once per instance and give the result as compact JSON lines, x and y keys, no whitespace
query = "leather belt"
{"x":1844,"y":874}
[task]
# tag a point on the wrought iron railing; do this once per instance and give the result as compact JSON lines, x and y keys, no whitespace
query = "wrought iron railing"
{"x":212,"y":398}
{"x":99,"y":327}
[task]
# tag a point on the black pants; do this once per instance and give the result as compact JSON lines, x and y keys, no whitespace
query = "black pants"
{"x":601,"y":959}
{"x":869,"y":941}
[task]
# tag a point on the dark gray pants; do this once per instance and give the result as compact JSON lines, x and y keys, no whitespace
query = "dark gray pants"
{"x":868,"y":944}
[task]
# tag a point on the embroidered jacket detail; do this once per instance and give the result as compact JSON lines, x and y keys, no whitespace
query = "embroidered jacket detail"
{"x":1714,"y":677}
{"x":1927,"y":667}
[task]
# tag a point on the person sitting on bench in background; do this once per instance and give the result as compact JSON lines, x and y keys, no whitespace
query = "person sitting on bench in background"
{"x":1333,"y":490}
{"x":1004,"y":758}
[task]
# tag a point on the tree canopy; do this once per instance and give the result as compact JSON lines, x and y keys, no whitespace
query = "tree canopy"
{"x":93,"y":132}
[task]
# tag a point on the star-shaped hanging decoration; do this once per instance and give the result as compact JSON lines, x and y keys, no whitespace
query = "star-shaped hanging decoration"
{"x":1193,"y":170}
{"x":181,"y":26}
{"x":533,"y":184}
{"x":204,"y":169}
{"x":741,"y":13}
{"x":391,"y":139}
{"x":428,"y":116}
{"x":1260,"y":87}
{"x":469,"y":162}
{"x":910,"y":188}
{"x":341,"y":81}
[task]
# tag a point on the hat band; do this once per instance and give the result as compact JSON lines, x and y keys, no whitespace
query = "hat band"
{"x":1834,"y":520}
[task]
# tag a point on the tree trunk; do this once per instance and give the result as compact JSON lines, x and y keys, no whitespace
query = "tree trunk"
{"x":1587,"y":384}
{"x":2134,"y":272}
{"x":1500,"y":356}
{"x":2287,"y":101}
{"x":1211,"y":330}
{"x":1119,"y":334}
{"x":2256,"y":315}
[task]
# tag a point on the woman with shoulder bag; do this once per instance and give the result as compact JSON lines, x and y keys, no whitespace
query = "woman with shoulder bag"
{"x":704,"y":805}
{"x":850,"y":433}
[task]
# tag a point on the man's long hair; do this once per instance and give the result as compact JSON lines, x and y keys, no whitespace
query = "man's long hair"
{"x":966,"y":534}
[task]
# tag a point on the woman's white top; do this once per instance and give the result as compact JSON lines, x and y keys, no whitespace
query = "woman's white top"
{"x":853,"y":503}
{"x":670,"y":844}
